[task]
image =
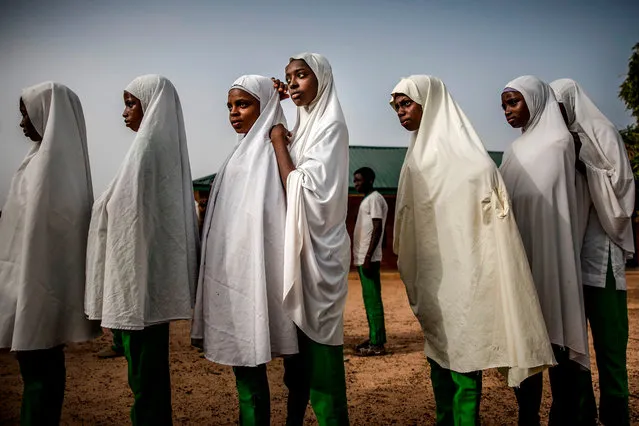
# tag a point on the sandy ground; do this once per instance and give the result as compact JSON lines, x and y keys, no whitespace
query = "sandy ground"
{"x":393,"y":389}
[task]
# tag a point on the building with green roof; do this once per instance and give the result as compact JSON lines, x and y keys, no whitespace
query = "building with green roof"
{"x":385,"y":160}
{"x":387,"y":163}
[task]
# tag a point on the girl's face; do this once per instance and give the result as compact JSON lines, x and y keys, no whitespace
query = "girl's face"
{"x":244,"y":110}
{"x":132,"y":112}
{"x":302,"y":82}
{"x":408,"y":111}
{"x":515,"y":109}
{"x":27,"y":126}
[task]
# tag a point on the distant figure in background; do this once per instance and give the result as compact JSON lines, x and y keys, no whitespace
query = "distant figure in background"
{"x":367,"y":256}
{"x":143,"y":244}
{"x":608,"y":241}
{"x":201,"y":211}
{"x":43,"y":241}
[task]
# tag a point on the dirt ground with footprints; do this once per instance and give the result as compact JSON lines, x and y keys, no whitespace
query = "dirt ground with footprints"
{"x":385,"y":390}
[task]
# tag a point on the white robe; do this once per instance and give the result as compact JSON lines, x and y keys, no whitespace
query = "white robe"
{"x":539,"y":172}
{"x":238,"y":309}
{"x":43,"y":229}
{"x":317,"y":246}
{"x":142,"y":250}
{"x":610,"y":180}
{"x":460,"y":253}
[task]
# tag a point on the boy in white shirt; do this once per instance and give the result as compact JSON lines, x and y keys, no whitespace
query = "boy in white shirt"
{"x":367,"y":256}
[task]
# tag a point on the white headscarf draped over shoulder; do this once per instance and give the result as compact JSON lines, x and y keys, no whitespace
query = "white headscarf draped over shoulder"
{"x":610,"y":178}
{"x":460,"y":254}
{"x":142,"y":254}
{"x":317,"y":246}
{"x":44,"y":227}
{"x":238,"y":309}
{"x":539,"y":172}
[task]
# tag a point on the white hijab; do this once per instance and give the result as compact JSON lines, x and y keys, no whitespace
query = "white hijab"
{"x":142,"y":254}
{"x":317,"y":246}
{"x":44,"y":227}
{"x":460,"y":254}
{"x":610,"y":178}
{"x":238,"y":308}
{"x":539,"y":172}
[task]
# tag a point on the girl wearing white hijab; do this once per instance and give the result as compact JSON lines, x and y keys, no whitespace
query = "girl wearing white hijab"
{"x":607,"y":243}
{"x":43,"y":234}
{"x":539,"y":172}
{"x":460,"y":255}
{"x":313,"y":165}
{"x":142,"y":250}
{"x":238,"y":310}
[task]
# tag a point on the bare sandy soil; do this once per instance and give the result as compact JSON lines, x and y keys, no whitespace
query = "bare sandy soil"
{"x":392,"y":389}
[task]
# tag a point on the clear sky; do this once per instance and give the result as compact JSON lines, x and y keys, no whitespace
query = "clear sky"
{"x":97,"y":47}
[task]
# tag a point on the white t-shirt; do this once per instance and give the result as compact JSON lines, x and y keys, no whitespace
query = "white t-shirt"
{"x":373,"y":206}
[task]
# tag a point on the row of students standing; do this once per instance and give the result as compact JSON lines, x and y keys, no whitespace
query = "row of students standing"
{"x":275,"y":254}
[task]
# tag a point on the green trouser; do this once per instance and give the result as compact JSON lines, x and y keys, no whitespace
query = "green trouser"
{"x":569,"y":402}
{"x":147,"y":353}
{"x":254,"y":395}
{"x":607,"y":312}
{"x":316,"y":372}
{"x":457,"y":396}
{"x":372,"y":292}
{"x":117,"y":346}
{"x":44,"y":376}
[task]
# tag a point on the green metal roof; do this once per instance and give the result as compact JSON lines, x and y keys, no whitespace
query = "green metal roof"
{"x":386,"y":161}
{"x":203,"y":183}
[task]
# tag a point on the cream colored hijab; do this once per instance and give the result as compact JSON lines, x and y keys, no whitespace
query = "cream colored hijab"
{"x":460,"y":254}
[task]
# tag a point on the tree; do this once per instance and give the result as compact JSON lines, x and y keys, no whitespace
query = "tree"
{"x":629,"y":94}
{"x":630,"y":137}
{"x":629,"y":89}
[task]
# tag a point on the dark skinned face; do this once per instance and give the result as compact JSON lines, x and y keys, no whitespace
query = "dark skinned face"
{"x":27,"y":126}
{"x":408,"y":111}
{"x":361,"y":185}
{"x":132,"y":112}
{"x":515,"y":109}
{"x":302,"y":82}
{"x":244,"y":110}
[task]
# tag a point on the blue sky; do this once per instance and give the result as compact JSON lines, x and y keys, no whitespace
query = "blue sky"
{"x":475,"y":47}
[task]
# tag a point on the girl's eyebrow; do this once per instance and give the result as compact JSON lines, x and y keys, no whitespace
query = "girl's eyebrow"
{"x":296,"y":70}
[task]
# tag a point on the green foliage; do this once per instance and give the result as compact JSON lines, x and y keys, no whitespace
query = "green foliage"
{"x":629,"y":94}
{"x":631,"y":138}
{"x":629,"y":89}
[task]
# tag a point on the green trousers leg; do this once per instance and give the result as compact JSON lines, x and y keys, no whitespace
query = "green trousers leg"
{"x":607,"y":312}
{"x":147,"y":353}
{"x":457,"y":396}
{"x":316,"y":372}
{"x":117,"y":346}
{"x":254,"y":395}
{"x":44,"y":375}
{"x":372,"y":292}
